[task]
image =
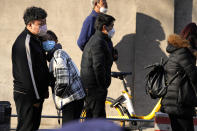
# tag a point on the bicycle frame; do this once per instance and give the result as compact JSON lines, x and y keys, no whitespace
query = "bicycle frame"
{"x":130,"y":109}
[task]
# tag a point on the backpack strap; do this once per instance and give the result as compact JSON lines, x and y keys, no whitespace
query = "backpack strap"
{"x":156,"y":64}
{"x":177,"y":73}
{"x":165,"y":62}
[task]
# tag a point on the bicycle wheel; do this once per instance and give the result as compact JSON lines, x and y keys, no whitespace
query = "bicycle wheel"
{"x":114,"y":112}
{"x":111,"y":112}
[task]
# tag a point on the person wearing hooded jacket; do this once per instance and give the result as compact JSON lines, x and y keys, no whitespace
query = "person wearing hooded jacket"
{"x":179,"y":102}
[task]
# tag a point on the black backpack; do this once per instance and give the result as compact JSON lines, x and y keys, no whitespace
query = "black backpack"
{"x":156,"y":83}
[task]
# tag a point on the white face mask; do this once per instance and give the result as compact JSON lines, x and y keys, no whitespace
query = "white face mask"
{"x":42,"y":30}
{"x":111,"y":33}
{"x":103,"y":10}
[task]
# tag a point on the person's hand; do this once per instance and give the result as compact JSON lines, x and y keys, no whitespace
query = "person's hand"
{"x":37,"y":105}
{"x":115,"y":54}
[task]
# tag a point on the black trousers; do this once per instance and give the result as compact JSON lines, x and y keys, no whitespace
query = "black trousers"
{"x":181,"y":123}
{"x":29,"y":115}
{"x":95,"y":103}
{"x":72,"y":111}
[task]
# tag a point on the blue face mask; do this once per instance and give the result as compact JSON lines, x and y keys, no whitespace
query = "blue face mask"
{"x":48,"y":45}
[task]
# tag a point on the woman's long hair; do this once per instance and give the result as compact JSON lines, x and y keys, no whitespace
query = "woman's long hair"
{"x":190,"y":33}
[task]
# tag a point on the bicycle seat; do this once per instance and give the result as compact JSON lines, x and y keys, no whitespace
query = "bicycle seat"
{"x":120,"y":75}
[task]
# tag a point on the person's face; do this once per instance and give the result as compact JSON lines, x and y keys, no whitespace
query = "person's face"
{"x":110,"y":27}
{"x":106,"y":29}
{"x":34,"y":26}
{"x":103,"y":3}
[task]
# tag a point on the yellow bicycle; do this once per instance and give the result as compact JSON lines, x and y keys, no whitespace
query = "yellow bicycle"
{"x":122,"y":107}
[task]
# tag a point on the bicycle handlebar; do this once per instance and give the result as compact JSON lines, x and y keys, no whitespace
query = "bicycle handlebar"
{"x":120,"y":75}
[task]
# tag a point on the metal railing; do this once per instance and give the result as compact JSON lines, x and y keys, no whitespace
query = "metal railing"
{"x":111,"y":119}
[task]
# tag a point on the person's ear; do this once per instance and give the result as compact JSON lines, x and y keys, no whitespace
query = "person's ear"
{"x":95,"y":4}
{"x":104,"y":27}
{"x":29,"y":25}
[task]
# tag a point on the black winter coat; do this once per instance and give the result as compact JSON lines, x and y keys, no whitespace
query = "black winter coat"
{"x":21,"y":70}
{"x":182,"y":61}
{"x":96,"y":62}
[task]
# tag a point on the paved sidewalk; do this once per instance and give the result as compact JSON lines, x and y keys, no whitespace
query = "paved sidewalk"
{"x":147,"y":129}
{"x":143,"y":126}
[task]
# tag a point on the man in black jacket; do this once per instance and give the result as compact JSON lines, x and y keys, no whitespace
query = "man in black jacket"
{"x":96,"y":66}
{"x":30,"y":71}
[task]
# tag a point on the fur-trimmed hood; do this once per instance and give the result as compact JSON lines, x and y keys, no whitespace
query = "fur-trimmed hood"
{"x":176,"y":42}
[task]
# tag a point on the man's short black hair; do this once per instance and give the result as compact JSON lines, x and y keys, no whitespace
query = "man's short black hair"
{"x":34,"y":13}
{"x":103,"y":19}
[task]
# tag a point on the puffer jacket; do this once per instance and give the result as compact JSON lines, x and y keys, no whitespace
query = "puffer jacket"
{"x":182,"y":60}
{"x":96,"y":62}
